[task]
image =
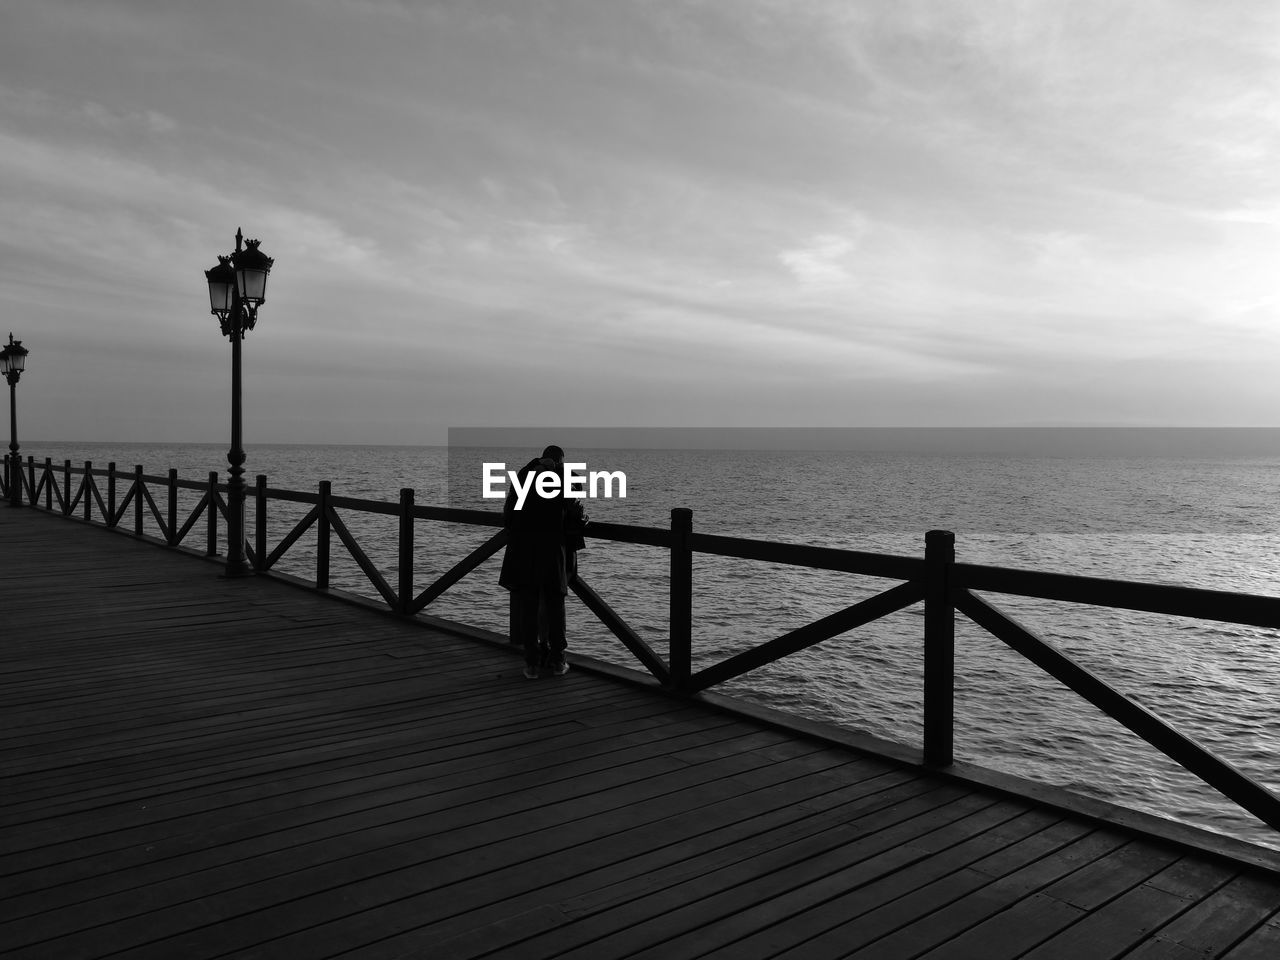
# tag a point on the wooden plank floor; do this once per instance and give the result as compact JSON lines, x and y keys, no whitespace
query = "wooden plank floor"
{"x":197,"y":768}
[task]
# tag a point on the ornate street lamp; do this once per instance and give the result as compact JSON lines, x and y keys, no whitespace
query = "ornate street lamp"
{"x":13,"y":360}
{"x":237,"y":287}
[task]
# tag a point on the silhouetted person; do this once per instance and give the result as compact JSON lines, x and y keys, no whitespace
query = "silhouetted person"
{"x":538,"y":564}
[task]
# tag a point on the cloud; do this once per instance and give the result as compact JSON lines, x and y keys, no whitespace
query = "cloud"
{"x":824,"y":260}
{"x":143,"y":121}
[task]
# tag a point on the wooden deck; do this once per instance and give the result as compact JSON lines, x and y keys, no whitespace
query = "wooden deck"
{"x":195,"y":767}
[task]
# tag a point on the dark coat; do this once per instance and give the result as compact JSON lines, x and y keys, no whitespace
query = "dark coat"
{"x":535,"y":555}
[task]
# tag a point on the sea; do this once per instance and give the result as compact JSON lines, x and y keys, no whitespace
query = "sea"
{"x":1197,"y":508}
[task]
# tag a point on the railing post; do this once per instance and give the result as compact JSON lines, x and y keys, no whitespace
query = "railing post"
{"x":111,"y":494}
{"x":211,"y":543}
{"x":137,"y":499}
{"x":260,"y":523}
{"x":48,"y":481}
{"x":172,"y":538}
{"x":88,"y":489}
{"x":404,"y":595}
{"x":322,"y":537}
{"x":66,"y":488}
{"x":939,"y":649}
{"x":31,"y":475}
{"x":680,"y":653}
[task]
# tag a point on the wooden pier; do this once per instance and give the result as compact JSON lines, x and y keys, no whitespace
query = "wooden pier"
{"x":199,"y":767}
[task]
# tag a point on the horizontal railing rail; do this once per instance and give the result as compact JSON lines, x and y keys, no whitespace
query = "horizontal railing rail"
{"x":944,"y":586}
{"x":1193,"y":602}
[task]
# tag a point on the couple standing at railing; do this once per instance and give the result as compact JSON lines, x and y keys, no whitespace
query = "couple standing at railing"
{"x":545,"y":533}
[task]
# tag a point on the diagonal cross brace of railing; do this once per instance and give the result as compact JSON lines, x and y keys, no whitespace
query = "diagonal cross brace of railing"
{"x":842,"y":621}
{"x":1179,"y":747}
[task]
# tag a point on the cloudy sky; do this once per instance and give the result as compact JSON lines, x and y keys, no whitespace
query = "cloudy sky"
{"x":673,"y":212}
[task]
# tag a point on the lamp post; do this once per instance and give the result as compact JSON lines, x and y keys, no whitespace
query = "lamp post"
{"x":237,"y":287}
{"x":13,"y":360}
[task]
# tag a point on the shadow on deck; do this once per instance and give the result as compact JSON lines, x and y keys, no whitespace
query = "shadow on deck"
{"x":195,"y":767}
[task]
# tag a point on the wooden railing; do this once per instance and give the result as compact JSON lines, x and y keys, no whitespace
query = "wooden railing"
{"x":943,"y":586}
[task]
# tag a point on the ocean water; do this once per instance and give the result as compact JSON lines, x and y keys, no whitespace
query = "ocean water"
{"x":1198,"y":520}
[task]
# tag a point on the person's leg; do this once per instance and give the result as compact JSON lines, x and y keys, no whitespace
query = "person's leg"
{"x":544,"y":654}
{"x":553,"y":605}
{"x":526,"y":616}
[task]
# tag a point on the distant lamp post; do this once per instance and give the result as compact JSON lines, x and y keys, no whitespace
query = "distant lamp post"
{"x":237,"y":287}
{"x":13,"y":360}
